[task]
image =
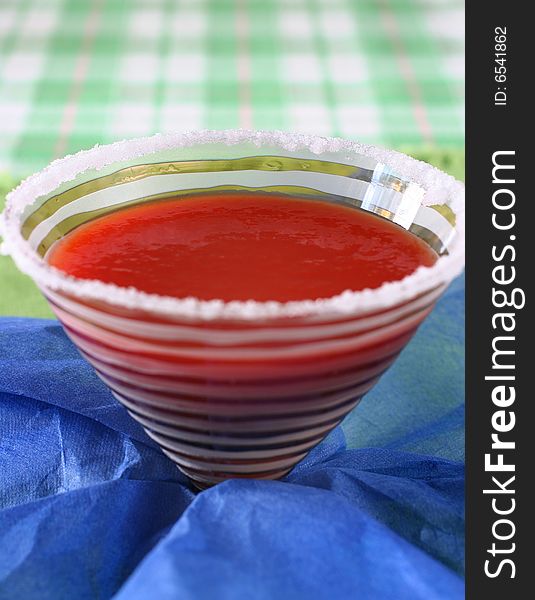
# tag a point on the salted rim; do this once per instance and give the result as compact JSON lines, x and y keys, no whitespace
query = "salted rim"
{"x":439,"y":187}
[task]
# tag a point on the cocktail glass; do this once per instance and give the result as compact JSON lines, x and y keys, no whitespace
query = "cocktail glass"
{"x":237,"y":389}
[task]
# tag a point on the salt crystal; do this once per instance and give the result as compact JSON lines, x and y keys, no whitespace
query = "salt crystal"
{"x":440,"y":189}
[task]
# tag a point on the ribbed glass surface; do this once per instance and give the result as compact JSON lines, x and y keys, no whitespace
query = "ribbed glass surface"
{"x":235,"y":391}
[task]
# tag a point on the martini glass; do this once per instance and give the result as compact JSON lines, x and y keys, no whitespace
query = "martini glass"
{"x":237,"y":389}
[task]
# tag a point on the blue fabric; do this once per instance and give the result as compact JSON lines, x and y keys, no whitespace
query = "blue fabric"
{"x":91,"y":509}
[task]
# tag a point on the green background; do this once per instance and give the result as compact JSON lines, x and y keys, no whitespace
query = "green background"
{"x":76,"y":73}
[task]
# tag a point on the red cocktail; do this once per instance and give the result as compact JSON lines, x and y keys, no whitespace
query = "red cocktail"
{"x":238,"y":292}
{"x":246,"y":246}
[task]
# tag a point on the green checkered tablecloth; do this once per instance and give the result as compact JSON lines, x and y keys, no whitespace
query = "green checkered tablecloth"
{"x":74,"y":73}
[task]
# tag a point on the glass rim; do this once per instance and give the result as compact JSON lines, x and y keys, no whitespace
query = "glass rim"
{"x":439,"y":188}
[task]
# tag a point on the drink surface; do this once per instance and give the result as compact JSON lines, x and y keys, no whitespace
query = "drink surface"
{"x":241,"y":246}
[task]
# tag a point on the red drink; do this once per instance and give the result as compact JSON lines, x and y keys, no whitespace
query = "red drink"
{"x":237,"y":327}
{"x":243,"y":398}
{"x":241,"y":247}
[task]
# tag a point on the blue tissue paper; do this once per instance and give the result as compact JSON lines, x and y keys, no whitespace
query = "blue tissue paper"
{"x":90,"y":508}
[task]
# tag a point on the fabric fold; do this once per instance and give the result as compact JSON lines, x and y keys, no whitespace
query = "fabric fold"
{"x":90,"y":507}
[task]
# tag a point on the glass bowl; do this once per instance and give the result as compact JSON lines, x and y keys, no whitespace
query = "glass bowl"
{"x":237,"y":389}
